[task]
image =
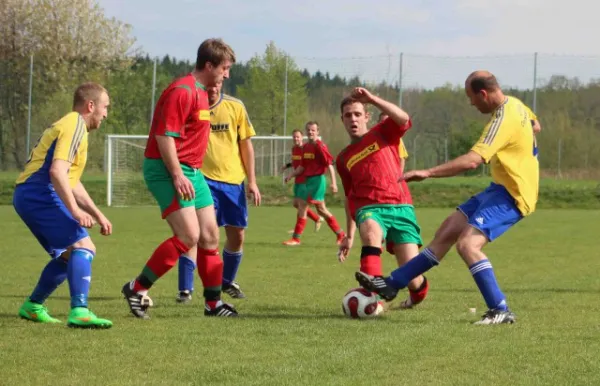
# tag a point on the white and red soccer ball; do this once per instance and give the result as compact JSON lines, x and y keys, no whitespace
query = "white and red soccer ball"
{"x":358,"y":303}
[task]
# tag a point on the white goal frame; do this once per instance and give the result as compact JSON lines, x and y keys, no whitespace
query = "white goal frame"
{"x":112,"y":138}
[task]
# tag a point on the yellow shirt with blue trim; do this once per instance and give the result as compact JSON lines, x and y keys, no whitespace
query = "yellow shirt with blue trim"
{"x":508,"y":145}
{"x":402,"y":150}
{"x":67,"y":140}
{"x":229,"y":124}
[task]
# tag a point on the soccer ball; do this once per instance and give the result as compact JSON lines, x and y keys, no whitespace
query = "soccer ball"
{"x":358,"y":303}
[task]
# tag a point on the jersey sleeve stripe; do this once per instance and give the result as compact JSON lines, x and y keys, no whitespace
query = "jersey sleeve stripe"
{"x":494,"y":127}
{"x":77,"y":137}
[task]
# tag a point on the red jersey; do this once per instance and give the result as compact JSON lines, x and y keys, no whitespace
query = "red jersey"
{"x":297,"y":161}
{"x":182,"y":112}
{"x":370,"y":168}
{"x":316,"y":158}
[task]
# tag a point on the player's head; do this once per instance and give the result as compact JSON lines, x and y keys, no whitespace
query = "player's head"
{"x":91,"y":101}
{"x":312,"y":130}
{"x":382,"y":117}
{"x":354,"y":116}
{"x":297,"y":136}
{"x":483,"y":91}
{"x":214,"y":59}
{"x":214,"y":93}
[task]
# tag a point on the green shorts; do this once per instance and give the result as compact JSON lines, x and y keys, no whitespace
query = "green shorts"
{"x":398,"y":222}
{"x":160,"y":184}
{"x":300,"y":191}
{"x":316,"y":186}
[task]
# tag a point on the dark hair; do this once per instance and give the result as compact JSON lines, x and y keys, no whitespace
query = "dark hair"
{"x":348,"y":101}
{"x":485,"y":82}
{"x":296,"y":131}
{"x":309,"y":123}
{"x":214,"y":51}
{"x":88,"y":91}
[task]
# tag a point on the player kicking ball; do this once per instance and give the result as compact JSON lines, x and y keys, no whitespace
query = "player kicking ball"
{"x":53,"y":203}
{"x":508,"y":144}
{"x":375,"y":202}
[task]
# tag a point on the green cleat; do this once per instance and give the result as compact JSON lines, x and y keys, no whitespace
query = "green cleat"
{"x":36,"y":312}
{"x":81,"y":317}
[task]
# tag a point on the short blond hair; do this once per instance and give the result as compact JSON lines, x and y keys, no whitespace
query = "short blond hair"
{"x":214,"y":51}
{"x":89,"y":91}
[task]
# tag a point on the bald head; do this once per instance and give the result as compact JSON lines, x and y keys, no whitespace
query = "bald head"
{"x":482,"y":81}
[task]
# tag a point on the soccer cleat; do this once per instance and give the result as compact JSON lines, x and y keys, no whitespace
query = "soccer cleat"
{"x":36,"y":312}
{"x":376,"y":284}
{"x":224,"y":310}
{"x":137,"y":303}
{"x":318,"y":223}
{"x":184,"y":297}
{"x":415,"y":297}
{"x":82,"y":317}
{"x":291,"y":242}
{"x":497,"y":317}
{"x":233,"y":289}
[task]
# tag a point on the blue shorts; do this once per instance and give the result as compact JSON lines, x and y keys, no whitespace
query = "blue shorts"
{"x":230,"y":203}
{"x":492,"y":211}
{"x":47,"y":218}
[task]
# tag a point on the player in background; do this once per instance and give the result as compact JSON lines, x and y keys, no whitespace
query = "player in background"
{"x":300,"y":180}
{"x":174,"y":154}
{"x":315,"y":160}
{"x":228,"y":162}
{"x":508,"y":144}
{"x":375,"y":202}
{"x":55,"y":206}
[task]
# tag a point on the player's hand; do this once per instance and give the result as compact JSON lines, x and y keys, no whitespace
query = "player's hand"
{"x":105,"y":225}
{"x":344,"y":249}
{"x":83,"y":218}
{"x":255,"y":193}
{"x":184,"y":187}
{"x":334,"y":188}
{"x":287,"y":179}
{"x":415,"y":175}
{"x":362,"y":95}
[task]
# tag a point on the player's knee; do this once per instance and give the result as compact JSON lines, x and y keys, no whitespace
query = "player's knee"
{"x":235,"y":238}
{"x":85,"y":243}
{"x":209,"y":237}
{"x":466,"y":246}
{"x":189,"y":238}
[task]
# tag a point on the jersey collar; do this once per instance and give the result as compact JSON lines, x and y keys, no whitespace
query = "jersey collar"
{"x":217,"y":102}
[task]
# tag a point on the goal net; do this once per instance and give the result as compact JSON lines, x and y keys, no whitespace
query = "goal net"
{"x":125,"y":156}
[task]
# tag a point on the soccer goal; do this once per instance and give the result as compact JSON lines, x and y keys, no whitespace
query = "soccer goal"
{"x":124,"y":156}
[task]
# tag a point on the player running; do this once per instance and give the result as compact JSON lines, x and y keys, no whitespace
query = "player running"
{"x":375,"y":202}
{"x":174,"y":154}
{"x":228,"y":162}
{"x":300,"y":180}
{"x":315,"y":160}
{"x":508,"y":144}
{"x":53,"y":203}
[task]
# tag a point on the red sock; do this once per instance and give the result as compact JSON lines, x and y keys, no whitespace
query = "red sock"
{"x":210,"y":270}
{"x":162,"y":260}
{"x":312,"y":215}
{"x":333,"y":224}
{"x":300,"y":224}
{"x":417,"y":296}
{"x":370,"y":261}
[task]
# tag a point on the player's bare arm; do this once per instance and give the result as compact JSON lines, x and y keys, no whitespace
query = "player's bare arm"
{"x":346,"y":244}
{"x":168,"y":152}
{"x":536,"y":126}
{"x":59,"y":176}
{"x":461,"y":164}
{"x":247,"y":153}
{"x":298,"y":171}
{"x":334,"y":187}
{"x":86,"y":203}
{"x":393,"y":111}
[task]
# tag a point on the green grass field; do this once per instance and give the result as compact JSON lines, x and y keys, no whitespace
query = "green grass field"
{"x":292,"y":330}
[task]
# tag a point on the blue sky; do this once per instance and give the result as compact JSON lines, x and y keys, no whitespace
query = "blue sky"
{"x":442,"y":40}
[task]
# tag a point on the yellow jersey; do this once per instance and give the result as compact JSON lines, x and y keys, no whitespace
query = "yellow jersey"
{"x":402,"y":150}
{"x":229,"y":124}
{"x":67,"y":140}
{"x":508,"y":145}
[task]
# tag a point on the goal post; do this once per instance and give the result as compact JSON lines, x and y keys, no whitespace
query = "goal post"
{"x":124,"y":156}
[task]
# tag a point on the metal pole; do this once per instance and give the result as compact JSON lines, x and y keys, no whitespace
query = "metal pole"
{"x":535,"y":59}
{"x":153,"y":91}
{"x":109,"y":171}
{"x":559,"y":157}
{"x":28,"y":139}
{"x":400,"y":79}
{"x":445,"y":149}
{"x":285,"y":100}
{"x":415,"y":153}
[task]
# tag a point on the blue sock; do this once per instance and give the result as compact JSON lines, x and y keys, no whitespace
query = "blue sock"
{"x":79,"y":273}
{"x":483,"y":273}
{"x":231,"y":263}
{"x":418,"y":265}
{"x":53,"y":275}
{"x":186,"y":273}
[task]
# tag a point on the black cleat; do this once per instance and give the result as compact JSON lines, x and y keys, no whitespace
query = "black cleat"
{"x":224,"y":310}
{"x":497,"y":317}
{"x":184,"y":297}
{"x":376,"y":284}
{"x":233,"y":289}
{"x":138,"y":304}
